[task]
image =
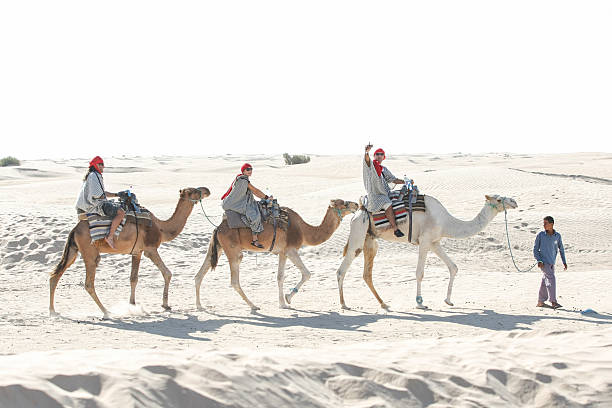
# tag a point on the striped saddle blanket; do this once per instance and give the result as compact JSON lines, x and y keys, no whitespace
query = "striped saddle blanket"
{"x":400,"y":208}
{"x":99,"y":225}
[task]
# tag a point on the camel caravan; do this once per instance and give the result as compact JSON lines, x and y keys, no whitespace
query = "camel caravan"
{"x":125,"y":227}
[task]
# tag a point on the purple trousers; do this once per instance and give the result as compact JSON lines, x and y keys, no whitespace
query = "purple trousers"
{"x":548,"y":287}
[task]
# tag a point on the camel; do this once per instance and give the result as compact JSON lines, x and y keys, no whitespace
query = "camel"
{"x":148,"y":239}
{"x":429,"y":228}
{"x":287,"y":244}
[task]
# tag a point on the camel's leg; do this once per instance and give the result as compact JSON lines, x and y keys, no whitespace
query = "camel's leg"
{"x":420,"y":272}
{"x":354,"y":246}
{"x":154,"y":256}
{"x":90,"y":277}
{"x":452,"y":269}
{"x":134,"y":276}
{"x":370,"y":248}
{"x":65,"y":263}
{"x":297,"y":261}
{"x":235,"y":270}
{"x":206,"y":266}
{"x":344,"y":266}
{"x":280,"y":279}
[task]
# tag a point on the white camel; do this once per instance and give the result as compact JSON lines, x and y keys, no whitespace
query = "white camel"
{"x":428,"y":229}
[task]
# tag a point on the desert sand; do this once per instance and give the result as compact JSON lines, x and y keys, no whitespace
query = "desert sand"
{"x":493,"y":348}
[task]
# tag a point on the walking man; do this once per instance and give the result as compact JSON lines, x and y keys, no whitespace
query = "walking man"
{"x":545,"y":252}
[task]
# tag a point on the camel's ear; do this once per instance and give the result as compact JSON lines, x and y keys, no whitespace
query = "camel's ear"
{"x":181,"y":192}
{"x":332,"y":203}
{"x":488,"y":197}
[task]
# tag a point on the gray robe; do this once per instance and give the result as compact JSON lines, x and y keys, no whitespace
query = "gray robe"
{"x":91,"y":196}
{"x":242,"y":201}
{"x":376,"y":186}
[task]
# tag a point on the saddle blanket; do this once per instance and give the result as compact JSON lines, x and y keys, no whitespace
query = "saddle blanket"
{"x":99,"y":225}
{"x":400,"y":209}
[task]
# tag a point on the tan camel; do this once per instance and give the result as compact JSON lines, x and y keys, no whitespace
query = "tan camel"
{"x":287,"y":244}
{"x":149,"y":238}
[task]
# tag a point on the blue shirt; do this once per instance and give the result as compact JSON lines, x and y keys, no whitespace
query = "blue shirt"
{"x":545,"y":248}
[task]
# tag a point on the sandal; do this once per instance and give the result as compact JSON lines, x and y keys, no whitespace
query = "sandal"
{"x":556,"y":306}
{"x":256,"y":244}
{"x":544,"y":305}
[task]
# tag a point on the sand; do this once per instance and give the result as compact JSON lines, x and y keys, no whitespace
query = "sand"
{"x":493,"y":348}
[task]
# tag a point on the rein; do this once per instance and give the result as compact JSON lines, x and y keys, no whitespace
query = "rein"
{"x":508,"y":238}
{"x":202,"y":207}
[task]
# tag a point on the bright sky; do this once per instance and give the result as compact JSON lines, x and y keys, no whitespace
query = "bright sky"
{"x":79,"y":78}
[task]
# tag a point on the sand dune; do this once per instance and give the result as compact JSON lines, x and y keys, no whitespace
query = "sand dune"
{"x":494,"y":348}
{"x":495,"y":370}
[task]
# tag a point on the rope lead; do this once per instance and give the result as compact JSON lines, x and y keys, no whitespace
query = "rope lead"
{"x":508,"y":238}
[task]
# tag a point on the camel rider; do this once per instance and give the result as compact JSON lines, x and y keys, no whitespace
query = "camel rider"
{"x":376,"y":178}
{"x":239,"y":198}
{"x":94,"y":199}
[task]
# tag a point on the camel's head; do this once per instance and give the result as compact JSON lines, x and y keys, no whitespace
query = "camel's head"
{"x":499,"y":203}
{"x":194,"y":194}
{"x":343,"y":207}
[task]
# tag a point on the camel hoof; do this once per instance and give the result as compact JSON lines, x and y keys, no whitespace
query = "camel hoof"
{"x":106,"y":316}
{"x":385,"y":306}
{"x":422,"y":307}
{"x":345,"y":307}
{"x":166,"y":307}
{"x":284,"y":306}
{"x":254,"y":308}
{"x":53,"y":313}
{"x":288,"y":298}
{"x":448,"y":302}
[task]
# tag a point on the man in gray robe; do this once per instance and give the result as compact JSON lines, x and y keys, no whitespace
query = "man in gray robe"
{"x":93,"y":198}
{"x":240,"y":198}
{"x":376,"y":179}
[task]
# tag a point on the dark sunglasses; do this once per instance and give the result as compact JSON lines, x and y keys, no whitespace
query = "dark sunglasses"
{"x":379,"y":154}
{"x":248,"y":169}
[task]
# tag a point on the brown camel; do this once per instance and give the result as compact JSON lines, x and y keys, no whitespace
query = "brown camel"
{"x":148,"y":239}
{"x":287,"y":244}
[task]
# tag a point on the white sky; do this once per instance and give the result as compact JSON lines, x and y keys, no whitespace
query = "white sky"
{"x":79,"y":78}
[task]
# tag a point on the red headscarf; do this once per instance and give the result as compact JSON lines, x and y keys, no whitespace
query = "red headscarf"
{"x":377,"y":166}
{"x":95,"y":161}
{"x":244,"y":166}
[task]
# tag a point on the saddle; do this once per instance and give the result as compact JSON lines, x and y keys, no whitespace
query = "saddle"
{"x":271,"y":213}
{"x":403,"y":206}
{"x":99,"y":225}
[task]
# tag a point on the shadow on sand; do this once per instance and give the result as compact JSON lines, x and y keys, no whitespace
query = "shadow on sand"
{"x":186,"y":325}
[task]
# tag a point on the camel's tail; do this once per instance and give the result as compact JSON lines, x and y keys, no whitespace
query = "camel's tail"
{"x":213,"y":249}
{"x":69,"y":251}
{"x":345,"y":249}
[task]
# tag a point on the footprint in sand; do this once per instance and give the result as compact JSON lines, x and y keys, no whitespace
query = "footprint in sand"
{"x":16,"y":244}
{"x":13,"y":257}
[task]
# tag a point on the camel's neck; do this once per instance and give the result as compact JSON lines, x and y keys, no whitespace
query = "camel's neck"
{"x":455,"y":228}
{"x":317,"y":235}
{"x":173,"y":226}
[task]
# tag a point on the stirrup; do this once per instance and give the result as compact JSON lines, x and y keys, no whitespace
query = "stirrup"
{"x":398,"y":233}
{"x":256,"y":244}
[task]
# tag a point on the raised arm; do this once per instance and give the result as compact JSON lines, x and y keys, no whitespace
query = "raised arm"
{"x":367,"y":155}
